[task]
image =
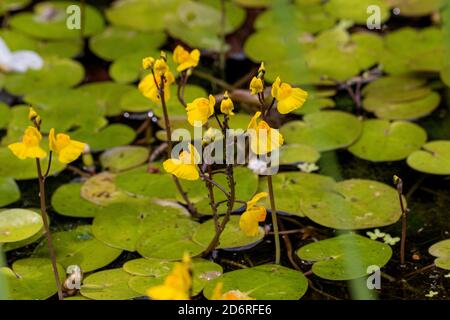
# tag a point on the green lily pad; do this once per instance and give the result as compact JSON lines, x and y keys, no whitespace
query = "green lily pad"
{"x":10,"y":166}
{"x":107,"y":95}
{"x":18,"y":224}
{"x":253,"y":3}
{"x":108,"y":285}
{"x":5,"y":114}
{"x":290,"y":188}
{"x":105,"y":45}
{"x":293,"y":153}
{"x":31,"y":279}
{"x":441,"y":251}
{"x":78,"y":247}
{"x":265,"y":282}
{"x":417,"y":8}
{"x":49,"y":21}
{"x":128,"y":68}
{"x":9,"y":191}
{"x":124,"y":158}
{"x":67,"y":201}
{"x":315,"y":104}
{"x":114,"y":135}
{"x":123,"y":225}
{"x":9,"y":246}
{"x":101,"y":189}
{"x":231,"y":238}
{"x":149,"y":273}
{"x":345,"y":257}
{"x":353,"y":204}
{"x":11,"y":5}
{"x":325,"y":130}
{"x":434,"y":158}
{"x":356,"y":10}
{"x":382,"y":140}
{"x":56,"y":72}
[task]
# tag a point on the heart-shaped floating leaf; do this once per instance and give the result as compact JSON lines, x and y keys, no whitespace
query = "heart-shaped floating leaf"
{"x":128,"y":68}
{"x":31,"y":279}
{"x":353,"y":204}
{"x":357,"y":10}
{"x":105,"y":45}
{"x":50,"y":20}
{"x":124,"y":158}
{"x":108,"y":285}
{"x":67,"y":201}
{"x":265,"y":282}
{"x":253,"y":3}
{"x":9,"y":191}
{"x":9,"y":246}
{"x":5,"y":114}
{"x":293,"y":153}
{"x":122,"y":225}
{"x":101,"y":189}
{"x":18,"y":224}
{"x":151,"y":272}
{"x":78,"y":247}
{"x":345,"y":257}
{"x":10,"y":166}
{"x":56,"y":72}
{"x":417,"y":8}
{"x":290,"y":188}
{"x":107,"y":95}
{"x":382,"y":140}
{"x":114,"y":135}
{"x":231,"y":238}
{"x":325,"y":130}
{"x":441,"y":251}
{"x":434,"y":158}
{"x":11,"y":5}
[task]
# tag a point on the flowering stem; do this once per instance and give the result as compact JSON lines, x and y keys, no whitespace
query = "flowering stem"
{"x":212,"y":201}
{"x":189,"y":204}
{"x":47,"y":228}
{"x":273,"y":211}
{"x":180,"y":90}
{"x":404,"y":220}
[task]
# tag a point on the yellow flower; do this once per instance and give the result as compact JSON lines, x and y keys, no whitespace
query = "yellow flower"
{"x":147,"y":63}
{"x":29,"y":147}
{"x":176,"y":285}
{"x":32,"y":114}
{"x":262,"y":68}
{"x":68,"y":150}
{"x":184,"y":59}
{"x":263,"y":138}
{"x":227,"y":106}
{"x":200,"y":110}
{"x":149,"y":89}
{"x":288,"y":98}
{"x":185,"y":166}
{"x":248,"y":221}
{"x":230,"y":295}
{"x":161,"y":66}
{"x":256,"y":86}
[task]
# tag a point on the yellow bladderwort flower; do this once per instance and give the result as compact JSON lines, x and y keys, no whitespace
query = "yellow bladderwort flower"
{"x":176,"y":285}
{"x":227,"y":106}
{"x":288,"y":98}
{"x":200,"y":110}
{"x":149,"y":89}
{"x":185,"y":59}
{"x":68,"y":150}
{"x":253,"y":214}
{"x":185,"y":166}
{"x":160,"y":67}
{"x":32,"y":114}
{"x":256,"y":86}
{"x":29,"y":147}
{"x":229,"y":295}
{"x":147,"y":63}
{"x":263,"y":138}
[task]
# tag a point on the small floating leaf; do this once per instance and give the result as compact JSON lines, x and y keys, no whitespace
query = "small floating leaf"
{"x":18,"y":224}
{"x":434,"y":158}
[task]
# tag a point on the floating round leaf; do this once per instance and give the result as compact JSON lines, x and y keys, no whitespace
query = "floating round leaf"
{"x":434,"y":158}
{"x":67,"y":201}
{"x":231,"y":238}
{"x":5,"y":115}
{"x":441,"y":251}
{"x":253,"y":3}
{"x":265,"y":282}
{"x":382,"y":140}
{"x":353,"y":204}
{"x":325,"y":130}
{"x":78,"y":247}
{"x":293,"y":153}
{"x":417,"y":8}
{"x":357,"y":10}
{"x":124,"y":158}
{"x":22,"y":243}
{"x":31,"y":279}
{"x":345,"y":257}
{"x":128,"y":68}
{"x":105,"y":45}
{"x":11,"y":5}
{"x":18,"y":224}
{"x":114,"y":135}
{"x":51,"y":18}
{"x":101,"y":189}
{"x":108,"y":285}
{"x":9,"y":191}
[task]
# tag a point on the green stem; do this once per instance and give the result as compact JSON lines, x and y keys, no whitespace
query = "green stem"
{"x":274,"y":220}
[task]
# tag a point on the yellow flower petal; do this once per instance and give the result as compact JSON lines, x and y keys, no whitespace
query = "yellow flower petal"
{"x":227,"y":106}
{"x":200,"y":110}
{"x":68,"y":150}
{"x":288,"y":98}
{"x":184,"y":59}
{"x":256,"y":86}
{"x":263,"y":138}
{"x":29,"y":147}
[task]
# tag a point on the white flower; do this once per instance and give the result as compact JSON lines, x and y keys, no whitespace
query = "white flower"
{"x":18,"y":61}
